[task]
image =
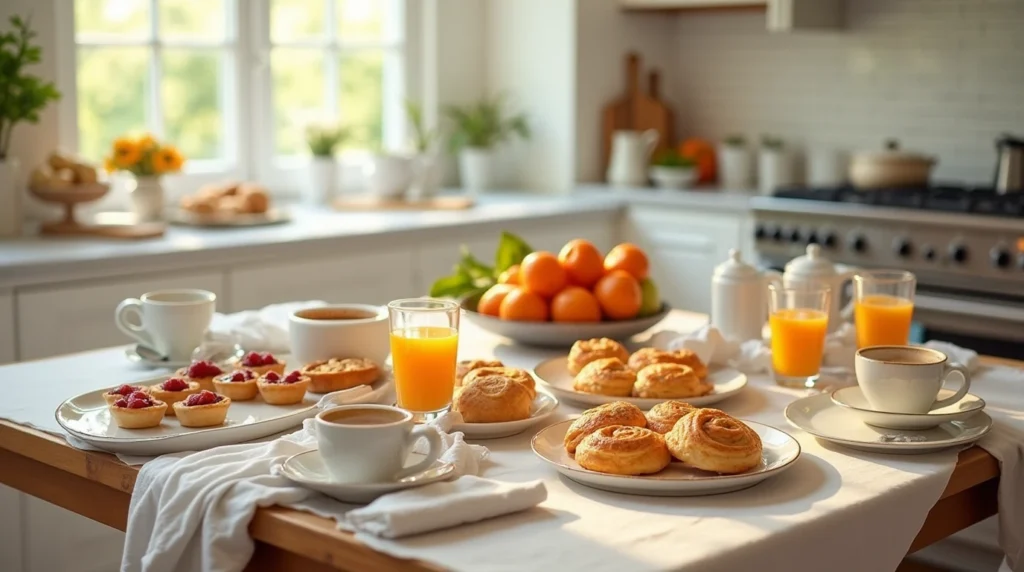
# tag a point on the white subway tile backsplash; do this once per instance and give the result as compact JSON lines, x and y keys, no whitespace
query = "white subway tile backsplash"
{"x":945,"y":77}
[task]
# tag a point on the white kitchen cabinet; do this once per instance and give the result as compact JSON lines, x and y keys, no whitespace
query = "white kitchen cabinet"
{"x":8,"y":346}
{"x":66,"y":319}
{"x":58,"y":540}
{"x":11,"y":529}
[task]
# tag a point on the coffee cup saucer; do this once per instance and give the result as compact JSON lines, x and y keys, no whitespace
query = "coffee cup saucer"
{"x":142,"y":355}
{"x":853,"y":398}
{"x":213,"y":350}
{"x":308,"y":469}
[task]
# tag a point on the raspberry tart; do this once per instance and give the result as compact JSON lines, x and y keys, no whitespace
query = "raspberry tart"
{"x":137,"y":411}
{"x":261,"y":363}
{"x":337,"y":374}
{"x":201,"y":372}
{"x":203,"y":409}
{"x":239,"y":385}
{"x":283,"y":390}
{"x":172,"y":391}
{"x":122,"y":391}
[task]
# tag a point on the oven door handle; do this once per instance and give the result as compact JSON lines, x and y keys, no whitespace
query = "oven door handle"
{"x":970,"y":308}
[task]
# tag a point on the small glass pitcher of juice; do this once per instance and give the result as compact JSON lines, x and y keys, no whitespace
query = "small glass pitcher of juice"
{"x":798,"y":320}
{"x":424,"y":348}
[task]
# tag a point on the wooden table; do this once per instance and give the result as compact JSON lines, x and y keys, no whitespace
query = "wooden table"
{"x":99,"y":486}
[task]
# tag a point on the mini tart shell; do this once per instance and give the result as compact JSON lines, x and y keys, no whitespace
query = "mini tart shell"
{"x":236,"y":390}
{"x":143,"y":418}
{"x":111,"y":398}
{"x":261,"y":370}
{"x":284,"y":393}
{"x":204,"y":382}
{"x":328,"y":381}
{"x":203,"y":415}
{"x":172,"y":397}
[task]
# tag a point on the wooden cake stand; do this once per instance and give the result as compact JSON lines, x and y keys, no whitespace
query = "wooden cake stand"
{"x":69,"y":226}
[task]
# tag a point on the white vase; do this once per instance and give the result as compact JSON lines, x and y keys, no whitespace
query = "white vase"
{"x":476,"y":169}
{"x":322,"y":187}
{"x":735,"y":166}
{"x":428,"y":171}
{"x":10,"y":198}
{"x":774,"y":169}
{"x":388,"y":175}
{"x":148,"y":198}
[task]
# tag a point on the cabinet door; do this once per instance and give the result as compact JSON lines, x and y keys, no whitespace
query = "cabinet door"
{"x":11,"y":529}
{"x":369,"y":278}
{"x":58,"y":540}
{"x":65,"y":319}
{"x":7,"y":333}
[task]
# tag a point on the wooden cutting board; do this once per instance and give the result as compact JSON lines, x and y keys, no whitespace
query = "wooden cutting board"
{"x":372,"y":203}
{"x":636,"y":110}
{"x":650,"y":112}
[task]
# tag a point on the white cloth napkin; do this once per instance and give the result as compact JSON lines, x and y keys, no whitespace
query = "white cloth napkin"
{"x":265,"y":329}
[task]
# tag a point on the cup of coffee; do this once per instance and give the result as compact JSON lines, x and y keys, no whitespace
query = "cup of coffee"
{"x":339,"y":331}
{"x":369,"y":443}
{"x":906,"y":379}
{"x":170,"y":322}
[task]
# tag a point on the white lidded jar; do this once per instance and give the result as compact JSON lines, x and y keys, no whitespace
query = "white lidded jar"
{"x":814,"y":270}
{"x":739,"y":298}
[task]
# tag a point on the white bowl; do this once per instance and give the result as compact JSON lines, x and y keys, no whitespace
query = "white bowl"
{"x":673,"y":177}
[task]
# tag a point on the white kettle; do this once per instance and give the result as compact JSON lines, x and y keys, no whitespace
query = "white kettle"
{"x":631,"y":152}
{"x":739,"y":298}
{"x":813,"y":269}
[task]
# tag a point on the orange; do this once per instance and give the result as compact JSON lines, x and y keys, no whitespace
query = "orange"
{"x":523,"y":305}
{"x":541,"y":274}
{"x":490,"y":302}
{"x":619,"y":295}
{"x":628,"y":257}
{"x":575,"y":304}
{"x":703,"y":154}
{"x":582,"y":262}
{"x":510,"y":275}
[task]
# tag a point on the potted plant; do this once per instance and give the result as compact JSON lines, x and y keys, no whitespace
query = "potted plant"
{"x":774,"y":165}
{"x":479,"y":128}
{"x":323,"y":140}
{"x":22,"y":97}
{"x":149,"y":160}
{"x":670,"y":170}
{"x":427,"y":167}
{"x":735,"y":163}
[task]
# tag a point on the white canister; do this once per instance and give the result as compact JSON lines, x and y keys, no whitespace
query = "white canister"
{"x":735,"y":166}
{"x":827,"y":167}
{"x":323,"y":181}
{"x":739,"y":298}
{"x":774,"y":169}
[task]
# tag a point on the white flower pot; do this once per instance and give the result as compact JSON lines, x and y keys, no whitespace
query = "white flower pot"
{"x":10,"y":198}
{"x":774,"y":169}
{"x":322,"y":186}
{"x":673,"y":177}
{"x":735,"y":166}
{"x":477,"y":169}
{"x":148,"y":198}
{"x":428,"y":171}
{"x":389,"y":176}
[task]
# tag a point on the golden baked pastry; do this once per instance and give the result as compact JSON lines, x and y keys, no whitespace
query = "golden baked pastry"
{"x":261,"y":363}
{"x":173,"y":390}
{"x":587,"y":351}
{"x":228,"y":198}
{"x":123,"y":390}
{"x":137,"y":411}
{"x":239,"y":385}
{"x":337,"y":374}
{"x":201,"y":372}
{"x":605,"y":415}
{"x":711,"y":440}
{"x":467,"y":365}
{"x":204,"y":409}
{"x":669,"y":381}
{"x":493,"y":399}
{"x":663,"y":416}
{"x":287,"y":390}
{"x":623,"y":450}
{"x":514,"y":373}
{"x":644,"y":357}
{"x":607,"y":376}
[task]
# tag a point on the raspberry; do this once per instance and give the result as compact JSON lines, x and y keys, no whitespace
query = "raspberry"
{"x":123,"y":390}
{"x":203,"y":369}
{"x":138,"y":403}
{"x":139,"y":395}
{"x":121,"y":403}
{"x":242,"y":375}
{"x":175,"y":384}
{"x":202,"y":398}
{"x":272,"y":377}
{"x":252,"y":359}
{"x":293,"y":377}
{"x":267,"y":358}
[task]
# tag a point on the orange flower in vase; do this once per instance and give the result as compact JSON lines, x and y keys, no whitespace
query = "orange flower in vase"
{"x":146,"y":158}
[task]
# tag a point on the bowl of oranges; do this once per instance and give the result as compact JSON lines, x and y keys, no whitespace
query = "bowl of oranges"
{"x":553,"y":299}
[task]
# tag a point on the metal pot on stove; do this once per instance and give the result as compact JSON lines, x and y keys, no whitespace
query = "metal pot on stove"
{"x":890,"y":168}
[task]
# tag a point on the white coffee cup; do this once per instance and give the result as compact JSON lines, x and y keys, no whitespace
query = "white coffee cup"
{"x":370,"y":443}
{"x":906,"y":379}
{"x":339,"y":331}
{"x":170,"y":322}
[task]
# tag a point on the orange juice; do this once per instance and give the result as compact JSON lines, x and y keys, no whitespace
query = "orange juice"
{"x":424,"y":363}
{"x":883,"y":320}
{"x":798,"y":341}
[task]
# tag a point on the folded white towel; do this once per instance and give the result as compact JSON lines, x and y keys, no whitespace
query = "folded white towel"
{"x":265,"y":329}
{"x":442,"y":505}
{"x":963,"y":356}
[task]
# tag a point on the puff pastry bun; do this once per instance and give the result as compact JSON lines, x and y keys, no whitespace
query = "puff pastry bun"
{"x":608,"y":414}
{"x":587,"y":351}
{"x":623,"y":450}
{"x":649,"y":356}
{"x":711,"y":440}
{"x":668,"y":381}
{"x":520,"y":376}
{"x":493,"y":399}
{"x":663,"y":416}
{"x":606,"y":376}
{"x":467,"y":365}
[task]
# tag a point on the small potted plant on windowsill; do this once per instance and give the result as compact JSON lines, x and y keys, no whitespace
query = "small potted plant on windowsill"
{"x":735,"y":163}
{"x":323,"y":140}
{"x":670,"y":170}
{"x":479,"y":129}
{"x":427,"y":167}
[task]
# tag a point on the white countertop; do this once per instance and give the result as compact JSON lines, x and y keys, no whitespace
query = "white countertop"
{"x":705,"y":199}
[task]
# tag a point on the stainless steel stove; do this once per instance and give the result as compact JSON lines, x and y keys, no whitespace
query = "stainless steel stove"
{"x":966,"y":247}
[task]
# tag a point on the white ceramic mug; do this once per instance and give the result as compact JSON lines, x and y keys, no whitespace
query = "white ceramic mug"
{"x":339,"y":331}
{"x":370,"y":443}
{"x":170,"y":322}
{"x":906,"y":379}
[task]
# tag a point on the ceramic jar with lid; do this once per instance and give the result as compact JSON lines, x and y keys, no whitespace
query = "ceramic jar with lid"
{"x":814,"y":270}
{"x":739,"y":298}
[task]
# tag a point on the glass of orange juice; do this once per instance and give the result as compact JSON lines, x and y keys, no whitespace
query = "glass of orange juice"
{"x":799,"y":320}
{"x":424,"y":345}
{"x":883,"y":307}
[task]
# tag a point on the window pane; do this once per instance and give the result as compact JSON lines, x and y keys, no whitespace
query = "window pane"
{"x":361,"y":97}
{"x":113,"y":88}
{"x":368,"y":21}
{"x":104,"y":19}
{"x":190,"y":89}
{"x":297,"y":20}
{"x":192,"y":19}
{"x":298,"y":84}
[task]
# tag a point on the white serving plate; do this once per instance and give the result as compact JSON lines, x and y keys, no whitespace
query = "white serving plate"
{"x":853,"y":398}
{"x":544,"y":406}
{"x":554,"y":374}
{"x":779,"y":452}
{"x":553,"y":334}
{"x":825,"y":420}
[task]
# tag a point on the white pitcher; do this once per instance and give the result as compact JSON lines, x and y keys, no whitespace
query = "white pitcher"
{"x":813,"y":269}
{"x":739,"y":298}
{"x":631,"y":153}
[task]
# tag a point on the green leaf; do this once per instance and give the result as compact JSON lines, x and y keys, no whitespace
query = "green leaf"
{"x":472,"y":266}
{"x":511,"y":250}
{"x":453,"y":286}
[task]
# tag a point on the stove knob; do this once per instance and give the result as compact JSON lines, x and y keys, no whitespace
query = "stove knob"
{"x":958,"y":252}
{"x":777,"y":234}
{"x":857,"y":243}
{"x":929,"y":253}
{"x":795,"y":235}
{"x":901,"y":246}
{"x":760,"y":232}
{"x":812,"y":237}
{"x":829,"y":240}
{"x":1000,"y":257}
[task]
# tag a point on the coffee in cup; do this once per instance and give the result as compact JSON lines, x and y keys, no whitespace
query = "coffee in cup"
{"x":339,"y":331}
{"x":170,"y":322}
{"x":370,"y":443}
{"x":906,"y":379}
